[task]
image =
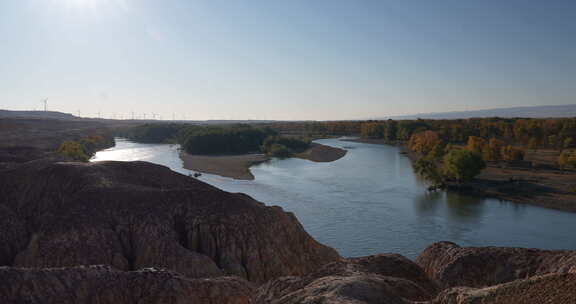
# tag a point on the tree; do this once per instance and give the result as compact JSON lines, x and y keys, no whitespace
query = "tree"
{"x":491,"y":150}
{"x":424,"y":142}
{"x":372,"y":130}
{"x":427,"y":168}
{"x":553,"y":141}
{"x":73,"y":150}
{"x":567,"y":158}
{"x":463,"y":165}
{"x":391,"y":130}
{"x":510,"y":153}
{"x":533,"y":143}
{"x":475,"y":144}
{"x":438,"y":151}
{"x":278,"y":150}
{"x":568,"y":143}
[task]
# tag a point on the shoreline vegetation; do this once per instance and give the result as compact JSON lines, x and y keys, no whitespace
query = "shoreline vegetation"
{"x":545,"y":186}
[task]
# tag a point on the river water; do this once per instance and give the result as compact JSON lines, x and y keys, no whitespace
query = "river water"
{"x":371,"y":202}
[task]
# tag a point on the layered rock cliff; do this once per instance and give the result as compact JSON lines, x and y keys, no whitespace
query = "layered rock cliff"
{"x":385,"y":278}
{"x":162,"y":237}
{"x":452,"y":265}
{"x":134,"y":215}
{"x":551,"y":288}
{"x":445,"y":273}
{"x":105,"y":285}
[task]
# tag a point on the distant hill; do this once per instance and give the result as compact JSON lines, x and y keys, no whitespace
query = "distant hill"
{"x":35,"y":114}
{"x":527,"y":112}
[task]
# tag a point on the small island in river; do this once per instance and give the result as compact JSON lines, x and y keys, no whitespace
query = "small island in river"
{"x":238,"y":166}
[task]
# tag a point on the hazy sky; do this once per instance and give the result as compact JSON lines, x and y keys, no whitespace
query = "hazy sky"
{"x":291,"y":59}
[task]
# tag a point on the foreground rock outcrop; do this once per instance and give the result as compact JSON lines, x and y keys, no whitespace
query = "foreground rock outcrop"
{"x":452,"y":265}
{"x":134,"y":215}
{"x":161,"y":237}
{"x":385,"y":278}
{"x":105,"y":285}
{"x":447,"y":274}
{"x":551,"y":288}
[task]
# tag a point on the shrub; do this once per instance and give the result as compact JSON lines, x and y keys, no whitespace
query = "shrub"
{"x":73,"y":150}
{"x":278,"y":150}
{"x":294,"y":144}
{"x":463,"y":165}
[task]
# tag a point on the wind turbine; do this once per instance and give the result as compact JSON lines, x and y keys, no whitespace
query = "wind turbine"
{"x":45,"y":102}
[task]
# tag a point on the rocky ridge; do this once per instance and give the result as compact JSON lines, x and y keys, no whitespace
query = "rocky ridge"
{"x":103,"y":284}
{"x":452,"y":265}
{"x":135,"y":232}
{"x":134,"y":215}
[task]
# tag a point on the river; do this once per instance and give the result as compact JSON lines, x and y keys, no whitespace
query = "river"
{"x":371,"y":202}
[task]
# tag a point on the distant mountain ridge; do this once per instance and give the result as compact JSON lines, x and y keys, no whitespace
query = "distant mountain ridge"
{"x":35,"y":114}
{"x":555,"y":111}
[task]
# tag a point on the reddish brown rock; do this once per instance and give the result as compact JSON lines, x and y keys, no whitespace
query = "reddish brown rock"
{"x":133,"y":215}
{"x":385,"y":278}
{"x":105,"y":285}
{"x":452,"y":265}
{"x":13,"y":235}
{"x":551,"y":288}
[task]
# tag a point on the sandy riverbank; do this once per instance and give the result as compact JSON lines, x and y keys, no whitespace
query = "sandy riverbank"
{"x":322,"y":153}
{"x":234,"y":166}
{"x":238,"y":166}
{"x":546,"y":188}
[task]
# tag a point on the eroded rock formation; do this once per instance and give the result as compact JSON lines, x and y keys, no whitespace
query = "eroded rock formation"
{"x":133,"y":215}
{"x":105,"y":285}
{"x":452,"y":265}
{"x":551,"y":288}
{"x":385,"y":278}
{"x":161,"y":237}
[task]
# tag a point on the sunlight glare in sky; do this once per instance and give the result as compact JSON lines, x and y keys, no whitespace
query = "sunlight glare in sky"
{"x":88,"y":5}
{"x":81,"y":3}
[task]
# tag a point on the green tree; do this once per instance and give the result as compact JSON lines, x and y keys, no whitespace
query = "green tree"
{"x":278,"y":150}
{"x":427,"y":168}
{"x":391,"y":130}
{"x":463,"y":165}
{"x":438,"y":151}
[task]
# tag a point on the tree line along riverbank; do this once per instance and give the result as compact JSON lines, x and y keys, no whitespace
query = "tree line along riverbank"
{"x":526,"y":160}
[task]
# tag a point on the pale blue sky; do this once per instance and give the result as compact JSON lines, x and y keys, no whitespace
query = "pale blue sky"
{"x":267,"y":59}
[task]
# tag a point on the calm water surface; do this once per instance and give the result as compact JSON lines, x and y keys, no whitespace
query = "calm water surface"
{"x":371,"y":202}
